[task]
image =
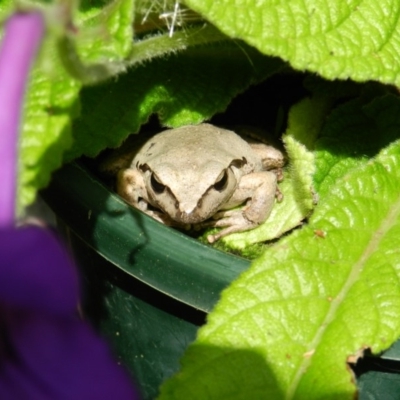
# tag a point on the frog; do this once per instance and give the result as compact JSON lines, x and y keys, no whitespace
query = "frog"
{"x":198,"y":176}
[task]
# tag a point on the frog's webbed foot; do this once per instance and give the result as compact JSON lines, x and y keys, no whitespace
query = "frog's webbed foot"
{"x":232,"y":220}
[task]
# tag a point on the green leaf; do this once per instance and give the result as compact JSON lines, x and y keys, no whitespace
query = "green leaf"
{"x":52,"y":99}
{"x":104,"y":39}
{"x":338,"y":39}
{"x":5,"y":8}
{"x":304,"y":124}
{"x":317,"y":298}
{"x":108,"y":31}
{"x":51,"y":102}
{"x":353,"y":133}
{"x":184,"y":88}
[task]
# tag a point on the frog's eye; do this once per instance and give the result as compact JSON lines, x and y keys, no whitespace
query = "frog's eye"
{"x":156,"y":185}
{"x":221,"y":181}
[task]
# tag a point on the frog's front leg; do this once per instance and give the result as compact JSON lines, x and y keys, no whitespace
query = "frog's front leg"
{"x":130,"y":186}
{"x":259,"y":190}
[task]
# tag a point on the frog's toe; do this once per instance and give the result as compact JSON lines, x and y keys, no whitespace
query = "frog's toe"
{"x":224,"y":219}
{"x":278,"y":195}
{"x":227,"y":231}
{"x":224,"y":232}
{"x":226,"y":214}
{"x":235,"y":222}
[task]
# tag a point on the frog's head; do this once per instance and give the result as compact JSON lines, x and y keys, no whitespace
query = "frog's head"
{"x":191,"y":193}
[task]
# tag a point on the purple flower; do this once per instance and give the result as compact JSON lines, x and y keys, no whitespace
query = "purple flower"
{"x":46,"y":351}
{"x":22,"y":37}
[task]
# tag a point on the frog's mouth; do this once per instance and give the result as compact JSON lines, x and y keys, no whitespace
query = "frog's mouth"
{"x":190,"y":218}
{"x":176,"y":211}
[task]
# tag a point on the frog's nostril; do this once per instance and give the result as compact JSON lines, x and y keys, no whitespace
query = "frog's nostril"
{"x":187,"y":207}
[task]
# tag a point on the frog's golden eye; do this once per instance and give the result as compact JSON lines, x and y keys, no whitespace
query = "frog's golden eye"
{"x":221,"y":181}
{"x":156,"y":185}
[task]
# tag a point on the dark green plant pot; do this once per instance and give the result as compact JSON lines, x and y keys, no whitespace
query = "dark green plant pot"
{"x":148,"y":287}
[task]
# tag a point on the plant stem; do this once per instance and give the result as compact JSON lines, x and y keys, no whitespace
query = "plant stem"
{"x":22,"y":37}
{"x":163,"y":45}
{"x":145,"y":50}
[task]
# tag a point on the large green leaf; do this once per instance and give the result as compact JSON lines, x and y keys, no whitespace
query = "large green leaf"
{"x":354,"y":132}
{"x":357,"y":39}
{"x":50,"y":104}
{"x":316,"y":299}
{"x":184,"y":88}
{"x":52,"y":99}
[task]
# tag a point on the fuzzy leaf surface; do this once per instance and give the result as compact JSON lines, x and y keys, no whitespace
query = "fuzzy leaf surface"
{"x":184,"y":88}
{"x":109,"y":32}
{"x":313,"y":300}
{"x":304,"y":124}
{"x":52,"y":99}
{"x":51,"y":102}
{"x":357,"y":39}
{"x":353,"y":133}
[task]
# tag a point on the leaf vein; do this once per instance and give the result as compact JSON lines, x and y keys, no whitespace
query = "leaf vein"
{"x":355,"y":272}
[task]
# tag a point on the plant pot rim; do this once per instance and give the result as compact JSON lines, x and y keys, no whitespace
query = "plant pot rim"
{"x":159,"y":256}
